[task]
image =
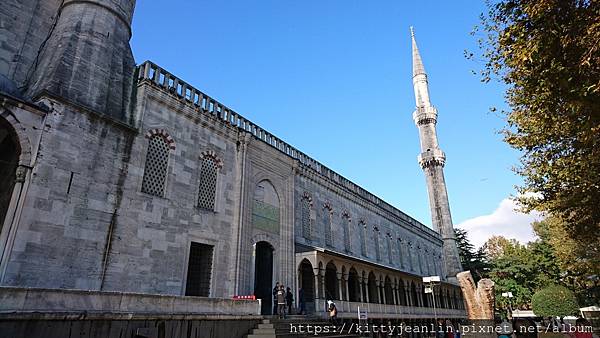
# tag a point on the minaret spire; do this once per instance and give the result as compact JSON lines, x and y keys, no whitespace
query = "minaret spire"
{"x":416,"y":56}
{"x":419,"y":75}
{"x":432,"y":160}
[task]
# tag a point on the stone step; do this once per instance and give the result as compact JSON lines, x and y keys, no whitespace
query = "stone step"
{"x":263,"y":331}
{"x":265,"y":326}
{"x":261,"y":335}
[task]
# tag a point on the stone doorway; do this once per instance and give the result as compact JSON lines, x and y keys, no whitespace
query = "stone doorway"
{"x":263,"y":276}
{"x":9,"y":158}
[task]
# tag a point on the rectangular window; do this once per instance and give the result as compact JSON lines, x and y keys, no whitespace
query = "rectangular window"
{"x":199,"y":270}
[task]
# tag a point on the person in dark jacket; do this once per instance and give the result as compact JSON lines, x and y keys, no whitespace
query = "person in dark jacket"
{"x":281,"y":302}
{"x":301,"y":302}
{"x":275,"y":289}
{"x":289,"y":299}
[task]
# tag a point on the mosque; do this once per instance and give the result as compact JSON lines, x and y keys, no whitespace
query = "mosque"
{"x":120,"y":179}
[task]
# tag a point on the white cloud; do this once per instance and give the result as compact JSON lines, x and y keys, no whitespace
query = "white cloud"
{"x":504,"y":221}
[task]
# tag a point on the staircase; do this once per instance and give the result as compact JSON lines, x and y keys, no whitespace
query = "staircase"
{"x":273,"y":327}
{"x":263,"y":330}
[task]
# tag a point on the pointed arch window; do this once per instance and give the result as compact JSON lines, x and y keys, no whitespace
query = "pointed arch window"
{"x":389,"y":247}
{"x":207,"y":185}
{"x":376,"y":242}
{"x":328,"y":215}
{"x":346,"y":220}
{"x":419,"y":255}
{"x":400,"y":255}
{"x":363,"y":238}
{"x":157,"y":161}
{"x":411,"y":263}
{"x":306,"y":208}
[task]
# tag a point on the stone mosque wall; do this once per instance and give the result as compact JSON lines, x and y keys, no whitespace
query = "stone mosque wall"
{"x":89,"y":224}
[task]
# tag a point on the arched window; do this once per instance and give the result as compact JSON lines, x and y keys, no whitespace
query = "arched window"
{"x":426,"y":262}
{"x":411,"y":263}
{"x":419,"y":262}
{"x":363,"y":238}
{"x":306,"y":207}
{"x":207,"y":184}
{"x":346,"y":225}
{"x":400,"y":256}
{"x":157,"y":161}
{"x":376,"y":242}
{"x":328,"y":218}
{"x":265,"y":212}
{"x":389,"y":247}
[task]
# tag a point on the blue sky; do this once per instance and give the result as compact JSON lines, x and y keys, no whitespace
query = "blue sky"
{"x":333,"y":78}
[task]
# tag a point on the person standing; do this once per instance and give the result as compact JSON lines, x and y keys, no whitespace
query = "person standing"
{"x":289,"y":299}
{"x":275,"y":289}
{"x":332,"y":313}
{"x":301,"y":302}
{"x":281,"y":302}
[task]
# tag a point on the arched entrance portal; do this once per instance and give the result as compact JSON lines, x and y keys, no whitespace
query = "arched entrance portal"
{"x":9,"y":158}
{"x":306,"y":281}
{"x":263,"y":276}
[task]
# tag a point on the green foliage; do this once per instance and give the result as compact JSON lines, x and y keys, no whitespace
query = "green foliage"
{"x":547,"y":52}
{"x":554,"y":301}
{"x":521,"y":269}
{"x":471,"y":259}
{"x":579,"y":265}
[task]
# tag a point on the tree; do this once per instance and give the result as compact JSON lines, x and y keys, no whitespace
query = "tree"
{"x":495,"y":246}
{"x":579,"y":266}
{"x":521,"y":269}
{"x":547,"y":52}
{"x":471,"y":259}
{"x":554,"y":301}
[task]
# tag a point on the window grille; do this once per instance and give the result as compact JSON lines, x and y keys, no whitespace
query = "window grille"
{"x":155,"y":169}
{"x":306,"y":221}
{"x":208,"y":183}
{"x":199,"y":270}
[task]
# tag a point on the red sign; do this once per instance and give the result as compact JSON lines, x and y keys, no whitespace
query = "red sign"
{"x":250,"y":297}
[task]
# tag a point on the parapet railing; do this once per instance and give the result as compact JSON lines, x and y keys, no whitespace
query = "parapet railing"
{"x":150,"y":72}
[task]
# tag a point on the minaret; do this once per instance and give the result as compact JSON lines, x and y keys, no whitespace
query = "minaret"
{"x":432,"y":160}
{"x":87,"y":60}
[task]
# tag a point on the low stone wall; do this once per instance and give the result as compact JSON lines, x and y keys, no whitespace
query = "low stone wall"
{"x":150,"y":327}
{"x":58,"y":300}
{"x":42,"y":313}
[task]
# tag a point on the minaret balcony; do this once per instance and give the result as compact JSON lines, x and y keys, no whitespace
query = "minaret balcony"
{"x":425,"y":115}
{"x":432,"y":157}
